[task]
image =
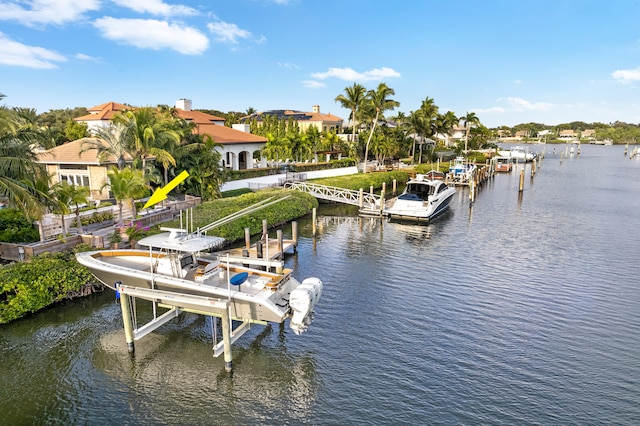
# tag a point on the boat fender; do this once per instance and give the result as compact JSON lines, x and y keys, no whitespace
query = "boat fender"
{"x":117,"y":285}
{"x":302,"y":300}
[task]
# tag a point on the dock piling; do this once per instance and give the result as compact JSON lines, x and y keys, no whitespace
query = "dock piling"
{"x":226,"y":338}
{"x":313,"y":219}
{"x":125,"y":300}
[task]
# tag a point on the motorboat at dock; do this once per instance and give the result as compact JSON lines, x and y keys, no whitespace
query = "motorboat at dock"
{"x":518,"y":154}
{"x":503,"y":164}
{"x":422,"y":200}
{"x":461,"y":171}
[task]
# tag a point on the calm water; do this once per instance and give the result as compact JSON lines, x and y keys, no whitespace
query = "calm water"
{"x":519,"y":310}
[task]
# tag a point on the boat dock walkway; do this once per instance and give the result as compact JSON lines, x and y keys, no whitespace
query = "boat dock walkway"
{"x":267,"y":252}
{"x":339,"y":195}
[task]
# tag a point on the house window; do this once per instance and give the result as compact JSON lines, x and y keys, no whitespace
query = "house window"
{"x":75,"y":179}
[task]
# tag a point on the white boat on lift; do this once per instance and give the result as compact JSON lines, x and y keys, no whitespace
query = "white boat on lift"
{"x":518,"y":154}
{"x":182,"y":269}
{"x":179,"y":271}
{"x":462,"y":170}
{"x":422,"y":200}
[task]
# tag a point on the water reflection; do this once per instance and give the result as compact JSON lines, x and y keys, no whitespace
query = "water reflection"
{"x":174,"y":368}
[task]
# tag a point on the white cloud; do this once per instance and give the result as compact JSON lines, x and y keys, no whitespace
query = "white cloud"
{"x":491,"y":110}
{"x":520,"y":104}
{"x":46,"y":11}
{"x":228,"y":33}
{"x":288,"y":65}
{"x":83,"y":57}
{"x":153,"y":34}
{"x":349,"y":74}
{"x":18,"y":54}
{"x":626,"y":76}
{"x":157,"y":7}
{"x":313,"y":84}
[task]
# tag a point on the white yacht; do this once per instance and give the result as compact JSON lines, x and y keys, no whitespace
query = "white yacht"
{"x":422,"y":200}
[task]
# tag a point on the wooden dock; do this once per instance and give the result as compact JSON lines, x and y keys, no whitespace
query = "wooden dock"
{"x":267,"y":253}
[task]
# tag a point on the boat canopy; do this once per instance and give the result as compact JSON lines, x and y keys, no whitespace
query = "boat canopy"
{"x":180,"y":240}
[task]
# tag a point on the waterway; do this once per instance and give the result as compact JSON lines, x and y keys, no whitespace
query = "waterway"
{"x":523,"y":308}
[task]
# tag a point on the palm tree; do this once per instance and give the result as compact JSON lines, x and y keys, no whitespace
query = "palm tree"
{"x":470,"y":119}
{"x":378,"y":101}
{"x":444,"y":123}
{"x":111,"y":143}
{"x":148,"y":134}
{"x":416,"y":125}
{"x":352,"y":100}
{"x":20,"y":170}
{"x":202,"y":161}
{"x":67,"y":194}
{"x":126,"y":185}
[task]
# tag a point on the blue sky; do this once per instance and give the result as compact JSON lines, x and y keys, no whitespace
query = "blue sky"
{"x":509,"y":61}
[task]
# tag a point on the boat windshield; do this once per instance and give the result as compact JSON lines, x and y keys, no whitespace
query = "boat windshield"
{"x":422,"y":191}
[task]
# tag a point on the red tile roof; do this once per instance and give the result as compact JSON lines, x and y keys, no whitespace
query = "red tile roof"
{"x":227,"y":135}
{"x":69,"y":153}
{"x":104,"y":111}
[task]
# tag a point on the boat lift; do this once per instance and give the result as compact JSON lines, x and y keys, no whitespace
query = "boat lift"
{"x":176,"y":303}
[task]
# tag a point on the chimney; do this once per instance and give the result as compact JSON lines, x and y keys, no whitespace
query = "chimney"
{"x":242,"y":127}
{"x":316,"y":109}
{"x":184,"y":104}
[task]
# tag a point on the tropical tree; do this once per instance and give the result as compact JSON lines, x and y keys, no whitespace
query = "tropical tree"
{"x":126,"y":185}
{"x":430,"y":115}
{"x":470,"y":119}
{"x":148,"y":134}
{"x":202,"y":161}
{"x":111,"y":143}
{"x":67,"y":195}
{"x":416,"y":124}
{"x":378,"y":101}
{"x":352,"y":99}
{"x":74,"y":130}
{"x":20,"y":170}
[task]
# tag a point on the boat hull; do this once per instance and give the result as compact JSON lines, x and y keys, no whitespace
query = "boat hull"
{"x":420,"y":211}
{"x":262,"y":297}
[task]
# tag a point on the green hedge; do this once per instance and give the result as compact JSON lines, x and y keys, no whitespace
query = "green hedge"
{"x":365,"y":180}
{"x":27,"y":287}
{"x":297,"y":205}
{"x":15,"y":228}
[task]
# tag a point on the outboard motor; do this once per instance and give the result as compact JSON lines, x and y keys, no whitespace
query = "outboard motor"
{"x":302,"y":301}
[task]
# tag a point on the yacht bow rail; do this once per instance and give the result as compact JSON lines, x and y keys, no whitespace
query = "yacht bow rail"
{"x":331,"y":193}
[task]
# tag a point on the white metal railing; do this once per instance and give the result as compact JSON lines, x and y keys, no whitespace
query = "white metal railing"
{"x":340,"y":195}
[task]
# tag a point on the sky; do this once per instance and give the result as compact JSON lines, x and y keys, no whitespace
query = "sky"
{"x":509,"y":61}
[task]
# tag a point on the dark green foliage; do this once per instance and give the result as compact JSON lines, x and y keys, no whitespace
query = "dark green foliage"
{"x":56,"y":121}
{"x":96,"y":217}
{"x":15,"y":228}
{"x":235,"y":192}
{"x":297,"y":205}
{"x":74,"y":130}
{"x":27,"y":287}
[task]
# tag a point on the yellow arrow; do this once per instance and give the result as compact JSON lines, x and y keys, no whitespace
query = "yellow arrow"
{"x":161,"y":193}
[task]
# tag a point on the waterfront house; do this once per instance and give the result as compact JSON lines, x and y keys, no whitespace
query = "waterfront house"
{"x":236,"y":145}
{"x":65,"y":162}
{"x":323,"y":122}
